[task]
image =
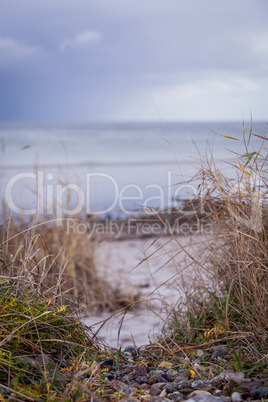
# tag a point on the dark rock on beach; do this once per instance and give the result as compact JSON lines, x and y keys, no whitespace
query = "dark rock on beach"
{"x":258,"y":392}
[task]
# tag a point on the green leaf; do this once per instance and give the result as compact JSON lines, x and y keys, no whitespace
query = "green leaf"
{"x":231,"y":138}
{"x":249,"y":155}
{"x":250,"y":133}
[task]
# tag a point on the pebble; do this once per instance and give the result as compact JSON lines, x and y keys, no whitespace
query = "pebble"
{"x":159,"y":376}
{"x":171,"y":387}
{"x":141,"y":379}
{"x":236,"y":397}
{"x":198,"y":393}
{"x":176,"y":397}
{"x":172,"y":374}
{"x":244,"y":388}
{"x":207,"y":398}
{"x":197,"y":384}
{"x":130,"y":349}
{"x":155,"y":391}
{"x":238,"y":378}
{"x":144,"y":386}
{"x":140,"y":370}
{"x":117,"y":383}
{"x":219,"y":379}
{"x":185,"y":384}
{"x":122,"y":373}
{"x":259,"y":392}
{"x":106,"y":361}
{"x":172,"y":383}
{"x":163,"y":393}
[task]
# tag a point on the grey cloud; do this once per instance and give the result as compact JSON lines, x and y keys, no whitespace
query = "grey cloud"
{"x":96,"y":53}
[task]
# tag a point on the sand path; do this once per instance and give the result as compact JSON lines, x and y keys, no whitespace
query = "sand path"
{"x":159,"y":278}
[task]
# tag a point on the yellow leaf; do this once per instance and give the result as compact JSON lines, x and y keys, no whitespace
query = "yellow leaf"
{"x":192,"y":373}
{"x":243,"y":170}
{"x":165,"y":365}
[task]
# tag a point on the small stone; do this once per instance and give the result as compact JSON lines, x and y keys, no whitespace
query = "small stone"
{"x":128,"y":355}
{"x":155,"y":373}
{"x":141,"y":379}
{"x":197,"y":384}
{"x":126,"y":390}
{"x":155,"y":391}
{"x":106,"y":361}
{"x":184,"y":384}
{"x":163,"y":393}
{"x":171,"y":387}
{"x":160,"y":385}
{"x":238,"y":378}
{"x":236,"y":397}
{"x":186,"y":391}
{"x":123,"y":373}
{"x":159,"y":376}
{"x":136,"y":385}
{"x":244,"y":388}
{"x":172,"y":374}
{"x":176,"y":397}
{"x":215,"y":381}
{"x":140,"y":370}
{"x":206,"y":398}
{"x":198,"y":393}
{"x":144,"y":386}
{"x":219,"y":392}
{"x":117,"y":383}
{"x":163,"y":377}
{"x":130,"y":349}
{"x":157,"y":399}
{"x":259,"y":392}
{"x":129,"y":377}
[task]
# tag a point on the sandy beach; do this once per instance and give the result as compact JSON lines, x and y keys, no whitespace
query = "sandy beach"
{"x":158,"y":268}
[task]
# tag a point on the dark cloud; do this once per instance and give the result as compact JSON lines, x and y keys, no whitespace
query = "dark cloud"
{"x":96,"y":59}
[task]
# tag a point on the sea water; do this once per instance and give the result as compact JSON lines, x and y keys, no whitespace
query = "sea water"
{"x":111,"y":169}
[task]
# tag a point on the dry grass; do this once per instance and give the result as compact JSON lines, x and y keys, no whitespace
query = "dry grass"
{"x":49,"y":258}
{"x":232,"y":307}
{"x":45,"y":350}
{"x":40,"y":334}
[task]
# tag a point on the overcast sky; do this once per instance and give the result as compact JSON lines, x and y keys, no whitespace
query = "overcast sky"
{"x":97,"y":60}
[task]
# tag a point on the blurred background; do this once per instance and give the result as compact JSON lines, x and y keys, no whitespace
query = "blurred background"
{"x":121,"y":87}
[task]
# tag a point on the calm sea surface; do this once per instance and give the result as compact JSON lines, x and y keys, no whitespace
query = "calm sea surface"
{"x":110,"y":168}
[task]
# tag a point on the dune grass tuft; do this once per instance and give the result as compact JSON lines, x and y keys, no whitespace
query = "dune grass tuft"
{"x":231,"y":307}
